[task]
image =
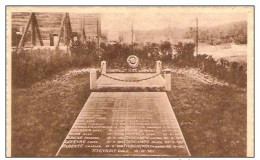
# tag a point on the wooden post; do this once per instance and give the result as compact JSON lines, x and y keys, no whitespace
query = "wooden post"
{"x":65,"y":31}
{"x":70,"y":29}
{"x":83,"y":36}
{"x":197,"y":37}
{"x":158,"y":67}
{"x":21,"y":43}
{"x":97,"y":34}
{"x":168,"y":86}
{"x":35,"y":28}
{"x":33,"y":36}
{"x":93,"y":79}
{"x":61,"y":28}
{"x":38,"y":30}
{"x":132,"y":38}
{"x":132,"y":33}
{"x":103,"y":67}
{"x":51,"y":39}
{"x":69,"y":24}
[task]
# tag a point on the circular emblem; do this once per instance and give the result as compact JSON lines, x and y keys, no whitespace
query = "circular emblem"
{"x":133,"y":61}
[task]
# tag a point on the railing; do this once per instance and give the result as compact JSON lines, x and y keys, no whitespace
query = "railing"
{"x":159,"y":72}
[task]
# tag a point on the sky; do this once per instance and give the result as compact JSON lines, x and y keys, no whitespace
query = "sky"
{"x":115,"y":22}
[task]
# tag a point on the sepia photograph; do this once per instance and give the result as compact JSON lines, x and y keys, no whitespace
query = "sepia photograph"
{"x":130,"y":81}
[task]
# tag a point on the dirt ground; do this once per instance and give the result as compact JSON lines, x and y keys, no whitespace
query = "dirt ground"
{"x":231,"y":52}
{"x":212,"y":116}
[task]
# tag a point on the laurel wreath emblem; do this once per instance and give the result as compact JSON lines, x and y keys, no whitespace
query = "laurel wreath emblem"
{"x":133,"y":61}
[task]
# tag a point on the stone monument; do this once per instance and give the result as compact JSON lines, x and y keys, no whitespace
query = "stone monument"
{"x":126,"y":123}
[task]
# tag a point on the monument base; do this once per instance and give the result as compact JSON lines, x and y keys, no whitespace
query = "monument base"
{"x":127,"y":81}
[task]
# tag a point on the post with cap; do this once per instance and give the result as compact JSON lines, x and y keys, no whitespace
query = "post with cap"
{"x":158,"y":67}
{"x":103,"y":67}
{"x":93,"y":79}
{"x":168,"y":86}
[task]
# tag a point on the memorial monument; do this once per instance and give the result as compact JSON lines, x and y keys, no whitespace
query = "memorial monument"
{"x":126,"y":123}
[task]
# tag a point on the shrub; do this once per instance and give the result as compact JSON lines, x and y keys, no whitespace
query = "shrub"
{"x":232,"y":72}
{"x":184,"y":54}
{"x":31,"y":66}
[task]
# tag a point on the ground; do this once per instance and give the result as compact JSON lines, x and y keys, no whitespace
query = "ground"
{"x":212,"y":116}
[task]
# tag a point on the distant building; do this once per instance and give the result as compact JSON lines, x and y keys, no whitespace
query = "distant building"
{"x":91,"y":23}
{"x":50,"y":23}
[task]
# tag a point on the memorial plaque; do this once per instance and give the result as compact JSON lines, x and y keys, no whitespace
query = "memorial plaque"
{"x":125,"y":124}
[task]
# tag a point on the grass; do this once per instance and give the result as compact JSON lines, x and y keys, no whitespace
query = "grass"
{"x":43,"y":114}
{"x":212,"y":118}
{"x":29,"y":67}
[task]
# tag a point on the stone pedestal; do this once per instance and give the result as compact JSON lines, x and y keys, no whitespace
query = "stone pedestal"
{"x":167,"y":76}
{"x":103,"y":67}
{"x":158,"y":67}
{"x":93,"y":78}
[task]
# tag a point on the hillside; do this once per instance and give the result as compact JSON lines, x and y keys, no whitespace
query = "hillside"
{"x":232,"y":32}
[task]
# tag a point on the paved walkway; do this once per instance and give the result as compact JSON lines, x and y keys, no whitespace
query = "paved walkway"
{"x":125,"y":124}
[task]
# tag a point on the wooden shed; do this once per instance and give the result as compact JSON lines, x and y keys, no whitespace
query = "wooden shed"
{"x":53,"y":28}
